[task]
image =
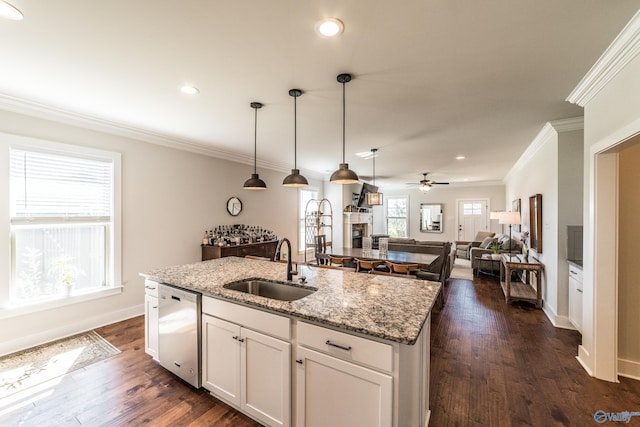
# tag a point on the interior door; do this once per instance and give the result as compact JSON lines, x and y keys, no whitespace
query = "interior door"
{"x":472,"y":217}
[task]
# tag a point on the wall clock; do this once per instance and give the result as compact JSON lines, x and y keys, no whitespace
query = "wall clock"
{"x":234,"y":206}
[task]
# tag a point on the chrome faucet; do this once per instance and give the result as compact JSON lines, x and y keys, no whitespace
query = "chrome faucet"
{"x":290,"y":271}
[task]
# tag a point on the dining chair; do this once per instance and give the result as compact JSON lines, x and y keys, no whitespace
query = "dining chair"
{"x":439,"y":270}
{"x":367,"y":265}
{"x":341,"y":261}
{"x":401,"y":268}
{"x":321,"y":249}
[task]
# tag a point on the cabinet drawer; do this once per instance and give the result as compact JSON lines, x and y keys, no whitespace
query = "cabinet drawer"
{"x":270,"y":324}
{"x":575,"y":273}
{"x":346,"y":346}
{"x":151,"y":288}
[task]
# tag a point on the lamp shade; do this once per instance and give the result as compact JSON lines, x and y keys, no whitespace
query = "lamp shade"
{"x":254,"y":183}
{"x":344,"y":175}
{"x":374,"y":199}
{"x":295,"y":179}
{"x":509,"y":218}
{"x":494,"y":215}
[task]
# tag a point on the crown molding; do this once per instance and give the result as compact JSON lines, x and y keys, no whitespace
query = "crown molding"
{"x":568,"y":125}
{"x":59,"y":115}
{"x":618,"y":55}
{"x":548,"y":131}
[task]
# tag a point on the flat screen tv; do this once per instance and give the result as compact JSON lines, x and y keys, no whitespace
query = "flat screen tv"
{"x":366,"y":188}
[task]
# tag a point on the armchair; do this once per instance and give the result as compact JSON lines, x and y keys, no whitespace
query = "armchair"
{"x":463,"y":248}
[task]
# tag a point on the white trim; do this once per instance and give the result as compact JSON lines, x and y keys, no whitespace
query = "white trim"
{"x":71,"y":328}
{"x":624,"y":48}
{"x":545,"y":134}
{"x":629,"y":369}
{"x":556,"y":320}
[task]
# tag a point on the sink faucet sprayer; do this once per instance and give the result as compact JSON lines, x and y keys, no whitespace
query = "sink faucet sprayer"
{"x":290,"y":271}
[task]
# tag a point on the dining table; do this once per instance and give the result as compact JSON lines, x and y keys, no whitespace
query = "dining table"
{"x":423,"y":260}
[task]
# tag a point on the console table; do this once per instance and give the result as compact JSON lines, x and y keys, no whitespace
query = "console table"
{"x":262,"y":249}
{"x":513,"y":291}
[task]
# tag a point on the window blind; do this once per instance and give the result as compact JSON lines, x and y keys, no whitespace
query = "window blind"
{"x":46,"y":185}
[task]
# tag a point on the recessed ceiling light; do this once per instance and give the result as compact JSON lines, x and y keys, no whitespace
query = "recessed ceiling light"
{"x":329,"y":27}
{"x":189,"y":90}
{"x":9,"y":11}
{"x":460,"y":158}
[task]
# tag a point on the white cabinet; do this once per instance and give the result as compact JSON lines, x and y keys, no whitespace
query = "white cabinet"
{"x":334,"y":392}
{"x":151,"y":318}
{"x":246,"y":368}
{"x":575,"y":296}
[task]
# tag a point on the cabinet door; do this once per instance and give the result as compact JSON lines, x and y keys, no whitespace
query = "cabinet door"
{"x":151,"y":326}
{"x":221,"y":358}
{"x":266,"y":378}
{"x":334,"y":392}
{"x":575,"y":303}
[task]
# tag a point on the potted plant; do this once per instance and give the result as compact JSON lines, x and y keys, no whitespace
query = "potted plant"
{"x":495,"y":247}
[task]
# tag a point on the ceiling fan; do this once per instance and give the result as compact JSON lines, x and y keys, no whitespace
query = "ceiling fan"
{"x":426,"y":184}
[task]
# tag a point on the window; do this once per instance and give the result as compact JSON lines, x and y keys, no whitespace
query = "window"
{"x":305,"y":196}
{"x":472,"y":208}
{"x":63,"y":225}
{"x":397,"y":216}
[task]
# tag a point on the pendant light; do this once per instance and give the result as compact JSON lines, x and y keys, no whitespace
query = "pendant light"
{"x":374,"y":199}
{"x":344,"y":175}
{"x":255,"y":183}
{"x":295,"y":179}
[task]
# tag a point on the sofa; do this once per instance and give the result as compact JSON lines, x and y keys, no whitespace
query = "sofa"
{"x":463,"y":247}
{"x":513,"y":246}
{"x":434,"y":247}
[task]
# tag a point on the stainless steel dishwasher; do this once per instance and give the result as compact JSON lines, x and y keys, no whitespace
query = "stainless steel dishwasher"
{"x":179,"y":332}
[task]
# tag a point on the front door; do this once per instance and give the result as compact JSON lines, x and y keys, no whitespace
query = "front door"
{"x":472,"y":217}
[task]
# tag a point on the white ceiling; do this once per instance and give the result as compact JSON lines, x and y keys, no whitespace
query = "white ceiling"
{"x":433,"y":79}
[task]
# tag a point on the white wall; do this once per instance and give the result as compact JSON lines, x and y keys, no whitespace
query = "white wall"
{"x":448,"y":195}
{"x":169,"y":197}
{"x":551,"y":166}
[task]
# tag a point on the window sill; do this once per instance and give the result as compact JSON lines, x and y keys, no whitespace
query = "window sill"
{"x":20,"y":310}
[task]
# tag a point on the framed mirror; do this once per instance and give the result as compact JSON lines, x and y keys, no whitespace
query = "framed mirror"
{"x":431,"y":219}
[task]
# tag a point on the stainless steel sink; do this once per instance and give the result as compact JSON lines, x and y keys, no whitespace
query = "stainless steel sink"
{"x":273,"y":289}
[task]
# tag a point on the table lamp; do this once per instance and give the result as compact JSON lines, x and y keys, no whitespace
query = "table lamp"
{"x":509,"y":218}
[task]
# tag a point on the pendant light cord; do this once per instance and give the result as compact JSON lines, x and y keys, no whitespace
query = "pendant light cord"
{"x":344,"y":118}
{"x":255,"y":142}
{"x":295,"y":132}
{"x":374,"y":166}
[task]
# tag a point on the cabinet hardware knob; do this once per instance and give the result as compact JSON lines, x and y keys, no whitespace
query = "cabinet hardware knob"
{"x":299,"y":361}
{"x":579,"y":290}
{"x":235,"y":338}
{"x":241,"y":340}
{"x":155,"y":306}
{"x":338,"y":346}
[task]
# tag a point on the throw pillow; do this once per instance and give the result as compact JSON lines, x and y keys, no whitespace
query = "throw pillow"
{"x":486,"y":242}
{"x":509,"y":245}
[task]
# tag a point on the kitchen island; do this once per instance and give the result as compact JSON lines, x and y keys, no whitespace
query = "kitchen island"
{"x":360,"y":343}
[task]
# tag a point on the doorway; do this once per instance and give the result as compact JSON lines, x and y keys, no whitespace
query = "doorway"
{"x":472,"y":218}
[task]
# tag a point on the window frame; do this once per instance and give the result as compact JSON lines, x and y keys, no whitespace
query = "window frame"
{"x":302,"y":223}
{"x":406,"y":218}
{"x":113,"y":229}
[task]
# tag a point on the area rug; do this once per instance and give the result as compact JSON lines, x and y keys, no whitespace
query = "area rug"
{"x":28,"y":368}
{"x":462,"y":270}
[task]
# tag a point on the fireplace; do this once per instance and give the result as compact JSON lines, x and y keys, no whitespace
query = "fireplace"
{"x":356,"y":226}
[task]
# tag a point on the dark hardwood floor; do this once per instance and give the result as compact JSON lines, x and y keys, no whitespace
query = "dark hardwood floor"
{"x":492,"y":364}
{"x":498,"y":364}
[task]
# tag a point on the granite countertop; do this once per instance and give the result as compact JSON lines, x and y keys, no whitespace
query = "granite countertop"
{"x":391,"y":308}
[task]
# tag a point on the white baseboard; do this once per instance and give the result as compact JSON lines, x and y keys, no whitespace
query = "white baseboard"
{"x":48,"y":335}
{"x":582,"y":357}
{"x":558,"y":321}
{"x":629,"y":369}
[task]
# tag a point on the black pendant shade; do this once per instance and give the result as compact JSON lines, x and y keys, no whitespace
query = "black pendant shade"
{"x":344,"y":175}
{"x":255,"y":183}
{"x":295,"y":179}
